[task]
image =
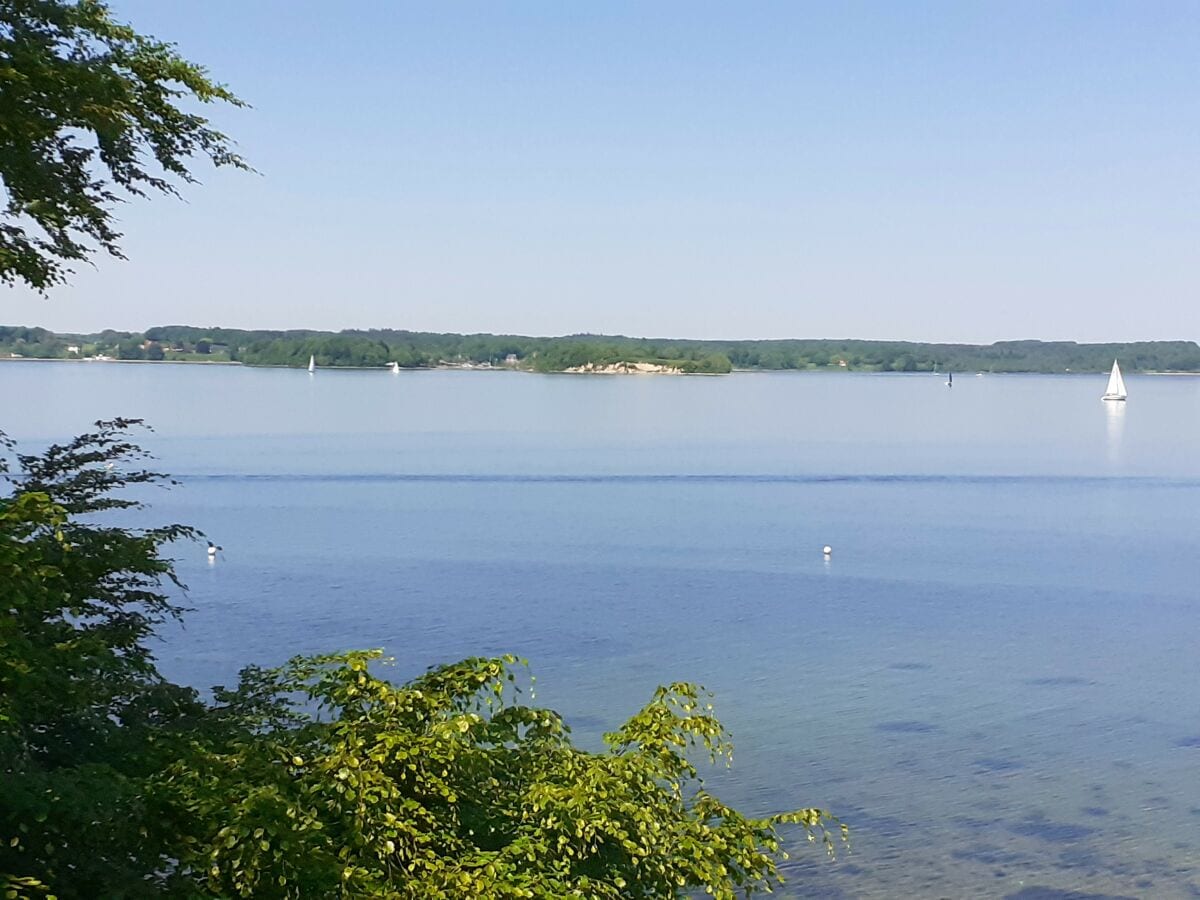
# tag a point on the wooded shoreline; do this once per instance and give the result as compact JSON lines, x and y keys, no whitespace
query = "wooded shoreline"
{"x":586,"y":353}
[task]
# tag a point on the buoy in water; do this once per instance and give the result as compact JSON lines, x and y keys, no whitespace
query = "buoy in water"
{"x":827,"y":550}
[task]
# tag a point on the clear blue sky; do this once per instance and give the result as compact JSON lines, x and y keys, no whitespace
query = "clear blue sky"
{"x":928,"y":171}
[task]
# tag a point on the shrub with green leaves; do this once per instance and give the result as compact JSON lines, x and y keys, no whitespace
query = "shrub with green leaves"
{"x":449,"y":787}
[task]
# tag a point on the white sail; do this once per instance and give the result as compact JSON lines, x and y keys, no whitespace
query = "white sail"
{"x":312,"y":364}
{"x":1116,"y":384}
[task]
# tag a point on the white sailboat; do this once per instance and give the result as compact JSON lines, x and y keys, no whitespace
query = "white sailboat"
{"x":312,"y":364}
{"x":395,"y":367}
{"x":1116,"y":384}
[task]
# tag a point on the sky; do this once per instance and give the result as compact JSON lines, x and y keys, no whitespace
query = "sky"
{"x":913,"y":171}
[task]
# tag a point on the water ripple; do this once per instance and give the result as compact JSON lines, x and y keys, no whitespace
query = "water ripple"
{"x":705,"y":478}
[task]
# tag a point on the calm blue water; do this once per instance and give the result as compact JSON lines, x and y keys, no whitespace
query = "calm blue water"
{"x":993,"y":680}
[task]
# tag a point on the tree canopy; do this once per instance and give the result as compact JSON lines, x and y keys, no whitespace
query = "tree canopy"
{"x":320,"y":778}
{"x":91,"y":112}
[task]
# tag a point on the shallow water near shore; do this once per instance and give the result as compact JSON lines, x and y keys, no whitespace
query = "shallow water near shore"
{"x":993,"y":678}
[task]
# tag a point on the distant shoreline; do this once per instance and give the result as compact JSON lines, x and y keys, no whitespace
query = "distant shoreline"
{"x":588,"y":353}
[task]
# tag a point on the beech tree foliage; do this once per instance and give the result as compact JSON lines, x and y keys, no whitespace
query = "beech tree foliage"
{"x":448,"y":787}
{"x":91,"y":112}
{"x":320,"y":778}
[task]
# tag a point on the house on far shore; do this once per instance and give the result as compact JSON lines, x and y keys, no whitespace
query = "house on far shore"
{"x":511,"y":359}
{"x":72,"y":348}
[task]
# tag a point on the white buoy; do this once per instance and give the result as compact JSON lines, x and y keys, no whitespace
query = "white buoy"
{"x":212,"y":549}
{"x":827,"y":550}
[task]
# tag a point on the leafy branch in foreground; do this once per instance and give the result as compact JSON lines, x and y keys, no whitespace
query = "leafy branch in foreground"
{"x":444,"y":788}
{"x":320,"y":778}
{"x":90,"y":111}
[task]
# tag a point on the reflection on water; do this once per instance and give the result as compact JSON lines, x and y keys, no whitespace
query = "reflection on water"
{"x":997,"y":704}
{"x":1114,"y":412}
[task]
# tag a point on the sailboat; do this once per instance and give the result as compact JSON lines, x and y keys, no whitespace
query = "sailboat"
{"x":395,"y":367}
{"x":312,"y":364}
{"x":1116,"y":385}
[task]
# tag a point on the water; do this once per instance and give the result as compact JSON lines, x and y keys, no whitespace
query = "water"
{"x":993,"y":680}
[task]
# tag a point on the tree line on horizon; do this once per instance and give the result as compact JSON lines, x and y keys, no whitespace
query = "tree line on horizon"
{"x":416,"y":349}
